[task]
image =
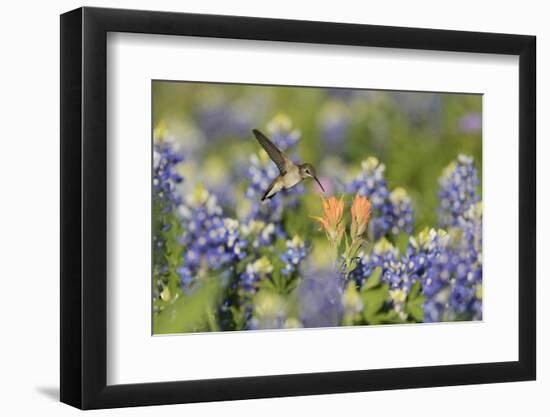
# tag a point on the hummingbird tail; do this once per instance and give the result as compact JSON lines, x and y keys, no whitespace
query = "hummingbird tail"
{"x":267,"y":194}
{"x":265,"y":197}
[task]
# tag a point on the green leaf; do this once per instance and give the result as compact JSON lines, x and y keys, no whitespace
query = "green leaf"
{"x":241,"y":266}
{"x":415,"y":308}
{"x":401,"y":242}
{"x":278,"y":281}
{"x":389,"y":317}
{"x":386,"y":317}
{"x":414,"y":305}
{"x":291,"y":286}
{"x":189,"y":313}
{"x":374,"y":300}
{"x":238,"y":317}
{"x":414,"y":291}
{"x":373,"y":280}
{"x":267,"y":284}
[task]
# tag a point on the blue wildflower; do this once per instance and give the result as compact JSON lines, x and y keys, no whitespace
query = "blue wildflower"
{"x":401,"y":216}
{"x":282,"y":133}
{"x":248,"y":284}
{"x":259,"y":233}
{"x":470,"y":123}
{"x":269,"y":311}
{"x":293,"y":256}
{"x":261,"y":172}
{"x":166,"y":201}
{"x":391,"y":213}
{"x":320,"y":298}
{"x":419,"y":107}
{"x":457,"y":190}
{"x":383,"y":255}
{"x":165,"y":176}
{"x":211,"y":241}
{"x":333,"y":125}
{"x":424,"y":254}
{"x":453,"y":281}
{"x":219,"y":119}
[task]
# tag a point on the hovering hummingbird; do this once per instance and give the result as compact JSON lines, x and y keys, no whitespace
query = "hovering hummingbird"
{"x":290,"y":173}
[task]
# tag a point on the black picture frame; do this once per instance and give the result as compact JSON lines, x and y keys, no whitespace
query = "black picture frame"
{"x":84,"y":207}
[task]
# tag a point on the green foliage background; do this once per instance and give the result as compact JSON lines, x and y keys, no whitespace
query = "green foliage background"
{"x":413,"y":137}
{"x":416,"y":135}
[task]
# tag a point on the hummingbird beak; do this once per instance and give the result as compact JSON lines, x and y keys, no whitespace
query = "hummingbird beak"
{"x":319,"y":182}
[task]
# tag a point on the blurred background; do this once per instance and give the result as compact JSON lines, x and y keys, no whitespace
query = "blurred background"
{"x":223,"y":260}
{"x":414,"y":134}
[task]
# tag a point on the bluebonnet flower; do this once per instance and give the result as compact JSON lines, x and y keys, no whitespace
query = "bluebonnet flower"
{"x":460,"y":298}
{"x":333,"y":125}
{"x":394,"y":272}
{"x":259,"y":233}
{"x":370,"y":182}
{"x":383,"y":255}
{"x":260,"y":268}
{"x":392,"y":213}
{"x":427,"y":260}
{"x":449,"y":268}
{"x":282,"y":133}
{"x":453,"y":281}
{"x":362,"y":271}
{"x":344,"y":94}
{"x":457,"y":190}
{"x":431,"y":258}
{"x":269,"y":311}
{"x":461,"y":264}
{"x":165,"y":200}
{"x":419,"y":107}
{"x":165,"y":176}
{"x":216,"y":172}
{"x":398,"y":297}
{"x":348,"y":94}
{"x":294,"y":255}
{"x":219,"y":119}
{"x":320,"y":298}
{"x":248,"y":284}
{"x":424,"y":254}
{"x":465,"y":296}
{"x":470,"y":123}
{"x":471,"y":226}
{"x":261,"y":172}
{"x":210,"y":241}
{"x":401,"y":216}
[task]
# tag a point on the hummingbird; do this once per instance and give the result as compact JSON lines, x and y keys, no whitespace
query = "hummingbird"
{"x":290,"y":173}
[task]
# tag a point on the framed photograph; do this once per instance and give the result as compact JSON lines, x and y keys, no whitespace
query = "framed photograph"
{"x":255,"y":208}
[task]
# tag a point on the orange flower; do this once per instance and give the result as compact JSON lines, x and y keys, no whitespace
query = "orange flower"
{"x":360,"y":215}
{"x":331,"y":222}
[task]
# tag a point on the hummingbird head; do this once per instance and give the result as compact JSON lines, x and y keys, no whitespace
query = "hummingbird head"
{"x":308,"y":171}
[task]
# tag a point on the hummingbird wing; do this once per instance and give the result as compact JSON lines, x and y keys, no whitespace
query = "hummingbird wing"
{"x":282,"y":161}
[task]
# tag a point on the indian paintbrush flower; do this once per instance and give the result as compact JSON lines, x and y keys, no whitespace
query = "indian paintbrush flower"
{"x":360,"y":214}
{"x":331,"y":222}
